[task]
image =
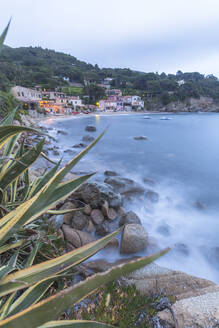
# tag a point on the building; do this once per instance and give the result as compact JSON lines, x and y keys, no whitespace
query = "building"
{"x":134,"y":101}
{"x":114,"y":92}
{"x":74,"y":101}
{"x":29,"y":97}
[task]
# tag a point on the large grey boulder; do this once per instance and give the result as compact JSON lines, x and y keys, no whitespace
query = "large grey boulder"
{"x":134,"y":239}
{"x":125,"y":186}
{"x":97,"y":193}
{"x":129,"y":218}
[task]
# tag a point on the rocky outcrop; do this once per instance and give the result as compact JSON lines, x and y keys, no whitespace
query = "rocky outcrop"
{"x":129,"y":218}
{"x":96,"y":193}
{"x":197,"y":299}
{"x":125,"y":186}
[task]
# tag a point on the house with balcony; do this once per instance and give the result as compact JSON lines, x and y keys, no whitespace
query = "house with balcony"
{"x":135,"y":102}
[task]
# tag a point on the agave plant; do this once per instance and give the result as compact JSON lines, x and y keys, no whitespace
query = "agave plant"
{"x":24,"y":298}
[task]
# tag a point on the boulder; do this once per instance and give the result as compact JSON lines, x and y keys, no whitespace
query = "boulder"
{"x":55,"y":152}
{"x":62,"y":132}
{"x":88,"y":138}
{"x":79,"y":220}
{"x":105,"y":208}
{"x":134,"y":239}
{"x":141,"y":138}
{"x":110,"y":173}
{"x":90,"y":226}
{"x":195,"y":312}
{"x":68,"y":216}
{"x":96,"y":193}
{"x":152,"y":196}
{"x":129,"y":218}
{"x":80,"y":145}
{"x":103,"y":229}
{"x":114,"y":243}
{"x":56,"y":221}
{"x":97,"y":216}
{"x":125,"y":186}
{"x":87,"y":209}
{"x":149,"y":181}
{"x":90,"y":128}
{"x":112,"y":215}
{"x":77,"y":238}
{"x":156,"y":279}
{"x":69,"y":151}
{"x":164,"y":229}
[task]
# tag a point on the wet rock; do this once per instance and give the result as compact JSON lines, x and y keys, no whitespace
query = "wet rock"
{"x":69,"y":151}
{"x":90,"y":226}
{"x":152,"y":196}
{"x":62,"y":132}
{"x":141,"y":138}
{"x":120,"y":211}
{"x":164,"y":229}
{"x":103,"y":229}
{"x":110,"y":173}
{"x":90,"y":128}
{"x":96,"y":193}
{"x":76,"y":237}
{"x":114,"y":243}
{"x":99,"y":265}
{"x":129,"y":218}
{"x":134,"y":239}
{"x":79,"y":220}
{"x":182,"y":248}
{"x":149,"y":181}
{"x":87,"y":209}
{"x":199,"y":205}
{"x":105,"y":208}
{"x":112,"y":215}
{"x":97,"y":216}
{"x":88,"y":138}
{"x":80,"y":145}
{"x":55,"y":152}
{"x":125,"y":186}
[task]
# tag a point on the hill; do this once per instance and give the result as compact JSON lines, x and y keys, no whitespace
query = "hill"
{"x":31,"y":66}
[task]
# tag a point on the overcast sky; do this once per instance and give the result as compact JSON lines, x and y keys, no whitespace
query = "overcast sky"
{"x":145,"y":35}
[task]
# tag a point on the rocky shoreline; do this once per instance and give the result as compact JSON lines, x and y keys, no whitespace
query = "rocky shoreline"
{"x":101,"y":211}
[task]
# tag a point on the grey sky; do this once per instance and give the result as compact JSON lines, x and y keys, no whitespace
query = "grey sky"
{"x":157,"y":35}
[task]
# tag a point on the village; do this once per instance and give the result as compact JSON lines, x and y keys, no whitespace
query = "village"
{"x":59,"y":103}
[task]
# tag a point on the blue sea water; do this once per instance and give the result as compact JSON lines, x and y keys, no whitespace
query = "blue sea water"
{"x":182,"y":156}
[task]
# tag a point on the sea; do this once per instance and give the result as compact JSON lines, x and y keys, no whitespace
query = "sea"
{"x":181,"y":157}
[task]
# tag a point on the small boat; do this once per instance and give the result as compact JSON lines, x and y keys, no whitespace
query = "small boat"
{"x":147,"y":117}
{"x":164,"y":118}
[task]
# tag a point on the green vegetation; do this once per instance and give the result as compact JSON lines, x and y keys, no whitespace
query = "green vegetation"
{"x":33,"y":66}
{"x":120,"y":306}
{"x":72,"y":91}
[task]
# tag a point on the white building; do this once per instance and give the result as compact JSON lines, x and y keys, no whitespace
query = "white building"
{"x":134,"y":101}
{"x":75,"y":101}
{"x":25,"y":94}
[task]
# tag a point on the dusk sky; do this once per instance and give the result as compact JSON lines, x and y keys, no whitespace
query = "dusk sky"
{"x":150,"y":36}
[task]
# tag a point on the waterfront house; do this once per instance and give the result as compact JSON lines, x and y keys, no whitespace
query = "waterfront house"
{"x":29,"y":97}
{"x":74,"y":101}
